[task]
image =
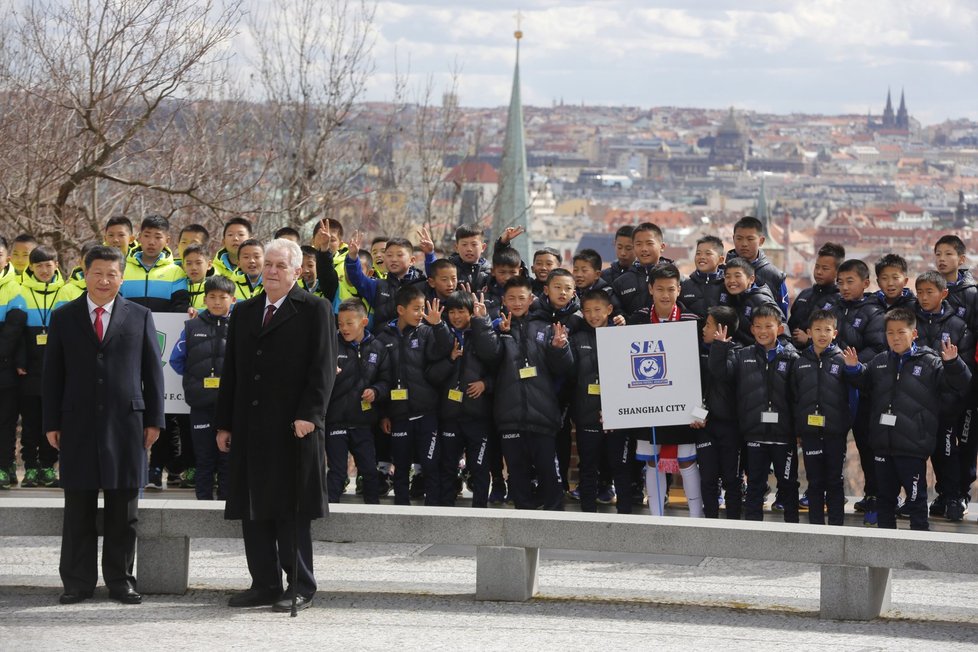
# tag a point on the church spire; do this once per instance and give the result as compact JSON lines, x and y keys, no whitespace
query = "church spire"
{"x":513,"y":198}
{"x":889,"y":121}
{"x":761,"y":211}
{"x":902,"y":117}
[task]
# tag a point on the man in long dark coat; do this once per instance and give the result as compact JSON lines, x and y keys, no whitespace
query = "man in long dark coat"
{"x":103,"y":409}
{"x":278,"y":373}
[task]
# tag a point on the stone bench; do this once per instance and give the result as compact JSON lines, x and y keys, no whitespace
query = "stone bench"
{"x":855,"y":563}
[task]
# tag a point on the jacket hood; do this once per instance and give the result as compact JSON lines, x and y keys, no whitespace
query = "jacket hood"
{"x":165,"y":257}
{"x":8,"y":275}
{"x":31,"y":282}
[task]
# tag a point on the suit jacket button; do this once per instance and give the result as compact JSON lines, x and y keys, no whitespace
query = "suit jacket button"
{"x":257,"y":376}
{"x":258,"y":352}
{"x":255,"y":402}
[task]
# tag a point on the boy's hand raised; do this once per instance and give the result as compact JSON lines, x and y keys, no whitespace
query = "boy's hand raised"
{"x":560,"y":335}
{"x":479,"y":305}
{"x":354,"y":245}
{"x":425,"y":242}
{"x":505,"y":322}
{"x":851,"y":357}
{"x":510,"y":233}
{"x":618,"y":320}
{"x":456,"y":351}
{"x":949,"y":351}
{"x":722,"y":335}
{"x":432,"y":311}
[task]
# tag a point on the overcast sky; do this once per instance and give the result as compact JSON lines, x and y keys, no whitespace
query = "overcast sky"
{"x":823,"y":56}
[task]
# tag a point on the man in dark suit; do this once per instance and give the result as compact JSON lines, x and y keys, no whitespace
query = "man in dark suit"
{"x":102,"y":408}
{"x":279,"y":368}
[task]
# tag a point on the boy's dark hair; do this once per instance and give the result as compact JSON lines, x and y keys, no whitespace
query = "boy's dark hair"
{"x":307,"y":250}
{"x":952,"y":240}
{"x":195,"y":249}
{"x":353,"y":305}
{"x":596,"y":295}
{"x":460,"y":300}
{"x":440,"y":264}
{"x":547,"y":251}
{"x":741,"y":264}
{"x":711,"y":240}
{"x":25,"y":237}
{"x":43,"y":254}
{"x":506,"y":257}
{"x":664,"y":272}
{"x":749,"y":222}
{"x":626,"y":231}
{"x":3,"y":243}
{"x":237,"y":221}
{"x":365,"y":257}
{"x":765,"y":311}
{"x":559,"y":272}
{"x":468,"y":231}
{"x":157,"y":222}
{"x":934,"y":278}
{"x":518,"y":282}
{"x":900,"y":314}
{"x":379,"y":238}
{"x":408,"y":294}
{"x":119,"y":220}
{"x":823,"y":315}
{"x":650,"y":227}
{"x":403,"y":243}
{"x":833,"y":250}
{"x":334,"y":225}
{"x":589,"y":256}
{"x":891,"y":260}
{"x":88,"y":246}
{"x":855,"y":265}
{"x":219,"y":283}
{"x":101,"y":252}
{"x":195,"y":228}
{"x":251,"y":242}
{"x":286,"y":230}
{"x":725,"y":316}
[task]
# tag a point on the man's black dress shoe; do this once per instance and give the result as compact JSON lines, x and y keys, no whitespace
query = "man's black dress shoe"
{"x":74,"y":597}
{"x":127,"y":595}
{"x":254,"y":598}
{"x":285,"y":604}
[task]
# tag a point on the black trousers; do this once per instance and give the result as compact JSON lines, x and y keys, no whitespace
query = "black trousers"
{"x":718,"y":456}
{"x":563,"y":446}
{"x":8,"y":426}
{"x":945,"y":458}
{"x":210,"y":461}
{"x":593,"y":445}
{"x":494,"y":455}
{"x":340,"y":442}
{"x":79,"y":539}
{"x":165,"y":452}
{"x":760,"y":457}
{"x":471,"y":438}
{"x":415,"y":439}
{"x":860,"y":433}
{"x":268,"y":548}
{"x":525,"y":451}
{"x":35,"y":450}
{"x":967,"y":454}
{"x":824,"y":460}
{"x":910,"y":473}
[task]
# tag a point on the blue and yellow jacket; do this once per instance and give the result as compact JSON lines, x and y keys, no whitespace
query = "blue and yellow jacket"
{"x":38,"y":300}
{"x":161,"y":288}
{"x":12,"y":319}
{"x":222,"y":265}
{"x":77,"y":278}
{"x":245,"y":289}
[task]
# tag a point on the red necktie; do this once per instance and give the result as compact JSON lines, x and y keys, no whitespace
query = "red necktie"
{"x":269,"y":311}
{"x":99,"y":311}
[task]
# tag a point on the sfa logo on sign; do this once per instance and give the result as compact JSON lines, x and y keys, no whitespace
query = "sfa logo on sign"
{"x":648,"y":365}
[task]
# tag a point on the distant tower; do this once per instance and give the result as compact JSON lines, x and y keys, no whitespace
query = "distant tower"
{"x":889,"y":121}
{"x":513,"y":197}
{"x":761,"y":210}
{"x":730,"y":144}
{"x":902,"y":118}
{"x":961,"y":212}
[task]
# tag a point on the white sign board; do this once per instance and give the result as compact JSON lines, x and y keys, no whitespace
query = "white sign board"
{"x":168,"y":328}
{"x":650,"y":374}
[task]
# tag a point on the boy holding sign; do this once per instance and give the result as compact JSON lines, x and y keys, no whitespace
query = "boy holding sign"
{"x":759,"y":374}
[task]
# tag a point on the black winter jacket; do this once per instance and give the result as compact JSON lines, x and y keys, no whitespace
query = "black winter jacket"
{"x":586,"y":404}
{"x":911,"y":387}
{"x":411,"y":353}
{"x":860,"y":325}
{"x":962,"y":294}
{"x":905,"y":300}
{"x":476,"y":275}
{"x":745,"y":304}
{"x":760,"y":381}
{"x":632,"y":289}
{"x":362,"y":366}
{"x":569,"y":315}
{"x":820,"y":386}
{"x":205,"y":338}
{"x":700,"y":292}
{"x":525,"y":404}
{"x":610,"y":274}
{"x":810,"y":300}
{"x":718,"y":394}
{"x":765,"y":273}
{"x":453,"y":376}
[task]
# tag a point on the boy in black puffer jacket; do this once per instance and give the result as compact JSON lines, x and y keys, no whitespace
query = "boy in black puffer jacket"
{"x":465,"y":403}
{"x":354,"y":406}
{"x":412,"y":414}
{"x":199,"y":357}
{"x":822,"y":417}
{"x":532,"y":355}
{"x":742,"y":293}
{"x":907,"y":385}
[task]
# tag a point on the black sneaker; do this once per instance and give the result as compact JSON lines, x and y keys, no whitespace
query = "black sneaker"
{"x":155,"y":480}
{"x":868,"y":503}
{"x":417,"y":486}
{"x":13,"y":474}
{"x":903,"y":511}
{"x":939,"y":506}
{"x":956,"y":509}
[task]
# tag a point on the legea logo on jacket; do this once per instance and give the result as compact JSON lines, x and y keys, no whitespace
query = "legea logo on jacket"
{"x":649,"y":365}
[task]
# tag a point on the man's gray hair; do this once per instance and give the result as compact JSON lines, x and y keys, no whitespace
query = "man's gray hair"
{"x":291,"y":250}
